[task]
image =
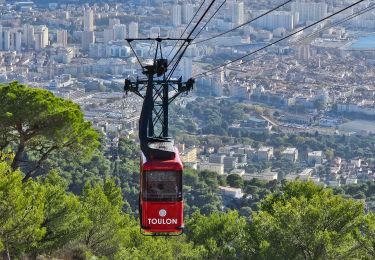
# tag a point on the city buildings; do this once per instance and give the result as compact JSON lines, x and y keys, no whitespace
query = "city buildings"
{"x":309,"y":11}
{"x":28,"y":36}
{"x":62,"y":37}
{"x":233,"y":193}
{"x":303,"y":87}
{"x":119,"y":32}
{"x":266,"y":176}
{"x":217,"y":158}
{"x":238,"y":13}
{"x":176,"y":15}
{"x":265,"y":153}
{"x":154,"y":32}
{"x":88,"y":37}
{"x":88,"y":20}
{"x":230,"y":163}
{"x":108,"y":35}
{"x":315,"y":157}
{"x":41,"y":37}
{"x":187,"y":12}
{"x":187,"y":68}
{"x":275,"y":20}
{"x":213,"y":167}
{"x":290,"y":154}
{"x":112,"y":22}
{"x":251,"y":125}
{"x":10,"y":39}
{"x":133,"y":30}
{"x":189,"y":155}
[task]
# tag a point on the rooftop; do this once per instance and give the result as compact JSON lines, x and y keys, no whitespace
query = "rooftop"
{"x":289,"y":150}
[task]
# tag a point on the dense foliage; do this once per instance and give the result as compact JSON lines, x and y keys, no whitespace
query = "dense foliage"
{"x":302,"y":221}
{"x":86,"y":208}
{"x":35,"y":124}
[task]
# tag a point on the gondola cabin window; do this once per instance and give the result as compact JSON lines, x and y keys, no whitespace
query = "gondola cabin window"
{"x":162,"y":186}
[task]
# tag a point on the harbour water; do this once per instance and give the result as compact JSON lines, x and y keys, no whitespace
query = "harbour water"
{"x":364,"y":42}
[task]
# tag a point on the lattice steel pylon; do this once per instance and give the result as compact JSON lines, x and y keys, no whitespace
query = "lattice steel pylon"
{"x":158,"y":91}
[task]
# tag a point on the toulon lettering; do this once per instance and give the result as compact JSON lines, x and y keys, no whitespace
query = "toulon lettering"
{"x":162,"y":221}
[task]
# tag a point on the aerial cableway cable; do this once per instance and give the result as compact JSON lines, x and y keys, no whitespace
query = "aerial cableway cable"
{"x":135,"y":54}
{"x":179,"y":39}
{"x":191,"y":20}
{"x":275,"y":42}
{"x":235,"y":28}
{"x":192,"y":31}
{"x":352,"y":16}
{"x":246,"y":23}
{"x":209,"y":20}
{"x":315,"y":33}
{"x":187,"y":42}
{"x":204,"y":26}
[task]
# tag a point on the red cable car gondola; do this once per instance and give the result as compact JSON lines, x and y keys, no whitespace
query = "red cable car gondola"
{"x":161,"y":204}
{"x":160,"y":199}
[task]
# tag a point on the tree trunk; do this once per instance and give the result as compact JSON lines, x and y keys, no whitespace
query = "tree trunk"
{"x":7,"y":254}
{"x":4,"y":255}
{"x":18,"y":156}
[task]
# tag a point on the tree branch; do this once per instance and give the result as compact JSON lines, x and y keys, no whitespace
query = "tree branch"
{"x":39,"y":162}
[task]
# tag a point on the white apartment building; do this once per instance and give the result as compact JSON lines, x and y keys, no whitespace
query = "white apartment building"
{"x":238,"y":13}
{"x":213,"y":167}
{"x":176,"y":15}
{"x":133,"y":30}
{"x":88,"y":20}
{"x":290,"y":154}
{"x":309,"y":11}
{"x":62,"y":37}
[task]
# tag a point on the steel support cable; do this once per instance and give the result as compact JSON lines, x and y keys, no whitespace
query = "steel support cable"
{"x":192,"y":31}
{"x":175,"y":66}
{"x":191,"y":20}
{"x":176,"y":63}
{"x":315,"y":33}
{"x":352,"y":16}
{"x":188,"y":42}
{"x":367,"y":9}
{"x":246,"y":23}
{"x":131,"y":47}
{"x":209,"y":20}
{"x":282,"y":39}
{"x":187,"y":38}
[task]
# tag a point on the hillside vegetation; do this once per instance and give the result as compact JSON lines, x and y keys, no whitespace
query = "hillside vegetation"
{"x":70,"y":202}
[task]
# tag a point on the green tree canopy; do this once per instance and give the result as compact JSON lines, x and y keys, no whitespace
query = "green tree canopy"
{"x":235,"y":181}
{"x":140,"y":247}
{"x":34,"y":123}
{"x":305,"y":221}
{"x":65,"y":221}
{"x":128,"y":149}
{"x":107,"y":223}
{"x":366,"y":236}
{"x":220,"y":234}
{"x":21,"y":213}
{"x":210,"y":178}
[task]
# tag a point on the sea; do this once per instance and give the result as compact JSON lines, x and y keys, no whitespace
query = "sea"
{"x":364,"y":42}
